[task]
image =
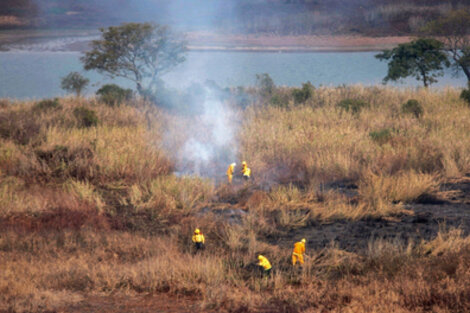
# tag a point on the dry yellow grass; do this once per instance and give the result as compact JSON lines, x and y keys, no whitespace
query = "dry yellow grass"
{"x":379,"y":190}
{"x":45,"y":273}
{"x":97,"y":211}
{"x":323,"y":142}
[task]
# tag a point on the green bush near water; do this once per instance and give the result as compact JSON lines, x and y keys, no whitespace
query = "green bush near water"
{"x":303,"y":94}
{"x":47,"y":104}
{"x":352,"y":105}
{"x":113,"y":95}
{"x":279,"y":100}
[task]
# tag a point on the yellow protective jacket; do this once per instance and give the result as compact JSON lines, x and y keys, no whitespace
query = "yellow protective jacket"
{"x":198,"y":238}
{"x":230,"y":170}
{"x":246,"y":171}
{"x":264,"y":262}
{"x":299,"y":248}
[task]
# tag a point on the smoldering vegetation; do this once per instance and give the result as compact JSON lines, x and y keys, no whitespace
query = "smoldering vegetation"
{"x":104,"y":201}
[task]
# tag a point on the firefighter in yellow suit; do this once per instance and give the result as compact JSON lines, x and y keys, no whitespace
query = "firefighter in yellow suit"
{"x":246,"y":171}
{"x":298,"y":253}
{"x":265,"y":264}
{"x":230,"y":171}
{"x":198,"y":239}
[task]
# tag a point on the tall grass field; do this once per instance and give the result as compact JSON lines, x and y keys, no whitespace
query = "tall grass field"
{"x":90,"y":205}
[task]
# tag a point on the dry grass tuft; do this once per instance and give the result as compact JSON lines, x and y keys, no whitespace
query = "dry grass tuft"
{"x":379,"y":190}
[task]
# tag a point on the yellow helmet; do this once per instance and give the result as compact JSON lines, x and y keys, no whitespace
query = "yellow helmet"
{"x":260,"y":257}
{"x":303,"y":240}
{"x":244,"y":163}
{"x":197,"y":231}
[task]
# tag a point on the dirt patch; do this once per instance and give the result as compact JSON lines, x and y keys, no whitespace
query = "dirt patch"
{"x":161,"y":303}
{"x":54,"y":220}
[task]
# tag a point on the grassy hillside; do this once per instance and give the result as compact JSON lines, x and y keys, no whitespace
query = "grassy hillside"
{"x":90,"y":206}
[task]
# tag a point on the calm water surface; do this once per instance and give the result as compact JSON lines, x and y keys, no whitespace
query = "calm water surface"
{"x":38,"y":74}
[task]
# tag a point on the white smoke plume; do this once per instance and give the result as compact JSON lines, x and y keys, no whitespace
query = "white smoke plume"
{"x":209,"y":143}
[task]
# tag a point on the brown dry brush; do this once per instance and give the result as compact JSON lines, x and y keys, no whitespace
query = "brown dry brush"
{"x":89,"y":205}
{"x":57,"y":267}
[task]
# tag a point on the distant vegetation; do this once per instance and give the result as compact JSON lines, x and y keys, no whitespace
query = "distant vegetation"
{"x":139,"y":52}
{"x":453,"y":30}
{"x":277,"y":17}
{"x":90,"y":205}
{"x":423,"y":59}
{"x":74,"y":82}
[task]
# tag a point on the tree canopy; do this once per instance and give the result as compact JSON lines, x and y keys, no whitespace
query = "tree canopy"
{"x":421,"y":58}
{"x":74,"y":82}
{"x":454,"y":30}
{"x":140,"y":52}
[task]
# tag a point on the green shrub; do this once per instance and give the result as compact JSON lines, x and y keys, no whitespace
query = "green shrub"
{"x":303,"y":94}
{"x":352,"y":105}
{"x":465,"y":95}
{"x":47,"y":104}
{"x":413,"y":107}
{"x":265,"y":84}
{"x":85,"y":117}
{"x":381,"y":136}
{"x":279,"y":100}
{"x":114,"y":95}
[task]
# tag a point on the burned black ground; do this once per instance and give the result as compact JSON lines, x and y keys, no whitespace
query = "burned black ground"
{"x":422,"y":221}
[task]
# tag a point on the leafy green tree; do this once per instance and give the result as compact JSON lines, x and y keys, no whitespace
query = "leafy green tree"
{"x":422,"y":58}
{"x":74,"y":82}
{"x":140,"y":52}
{"x":454,"y":31}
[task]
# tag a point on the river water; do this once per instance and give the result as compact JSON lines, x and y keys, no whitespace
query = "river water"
{"x":35,"y":75}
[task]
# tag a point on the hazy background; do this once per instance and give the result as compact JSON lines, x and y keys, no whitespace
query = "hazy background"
{"x":206,"y":142}
{"x":279,"y":17}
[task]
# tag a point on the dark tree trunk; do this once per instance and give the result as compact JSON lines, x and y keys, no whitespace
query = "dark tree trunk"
{"x":466,"y":71}
{"x":140,"y":90}
{"x":425,"y":79}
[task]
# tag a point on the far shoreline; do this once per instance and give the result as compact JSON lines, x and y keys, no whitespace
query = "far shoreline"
{"x":78,"y":41}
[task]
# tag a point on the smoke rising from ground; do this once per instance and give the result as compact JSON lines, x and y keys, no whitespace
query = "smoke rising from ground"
{"x":210,"y":131}
{"x":205,"y":143}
